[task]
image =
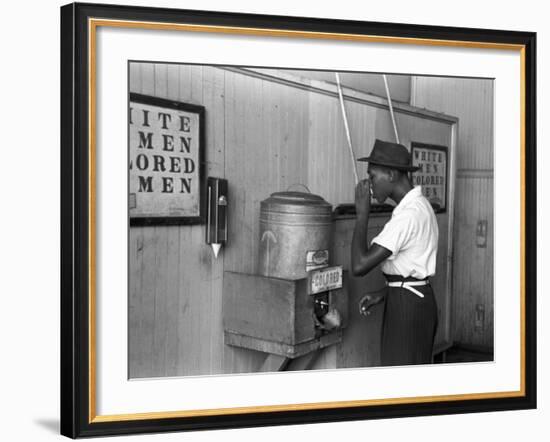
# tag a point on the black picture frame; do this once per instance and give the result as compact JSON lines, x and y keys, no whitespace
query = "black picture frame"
{"x":77,"y":217}
{"x":444,"y":150}
{"x":167,"y":219}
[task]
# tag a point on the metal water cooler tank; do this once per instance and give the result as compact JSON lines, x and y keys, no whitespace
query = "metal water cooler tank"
{"x":295,"y":234}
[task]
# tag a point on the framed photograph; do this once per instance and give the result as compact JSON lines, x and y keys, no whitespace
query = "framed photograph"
{"x":216,"y":170}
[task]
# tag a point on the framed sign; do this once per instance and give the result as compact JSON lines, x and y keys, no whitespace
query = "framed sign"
{"x":432,"y":174}
{"x":166,"y":144}
{"x":127,"y":154}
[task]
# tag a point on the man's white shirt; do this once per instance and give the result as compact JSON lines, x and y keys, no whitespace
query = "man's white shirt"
{"x":411,"y":235}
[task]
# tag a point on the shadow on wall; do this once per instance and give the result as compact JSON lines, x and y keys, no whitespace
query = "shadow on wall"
{"x":48,"y":424}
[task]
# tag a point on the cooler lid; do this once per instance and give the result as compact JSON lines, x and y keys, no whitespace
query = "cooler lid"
{"x":298,"y":200}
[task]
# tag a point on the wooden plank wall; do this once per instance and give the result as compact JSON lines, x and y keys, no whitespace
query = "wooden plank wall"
{"x":175,"y":296}
{"x":266,"y":127}
{"x":471,"y":101}
{"x":164,"y":320}
{"x":262,"y":136}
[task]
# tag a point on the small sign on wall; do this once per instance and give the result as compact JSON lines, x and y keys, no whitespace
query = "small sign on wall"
{"x":166,"y":167}
{"x":432,"y":175}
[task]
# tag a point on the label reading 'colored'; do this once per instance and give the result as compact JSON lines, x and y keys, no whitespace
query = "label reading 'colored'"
{"x":325,"y":280}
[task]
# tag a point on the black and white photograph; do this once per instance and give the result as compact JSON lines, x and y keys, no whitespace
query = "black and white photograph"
{"x":284,"y":220}
{"x":275,"y":221}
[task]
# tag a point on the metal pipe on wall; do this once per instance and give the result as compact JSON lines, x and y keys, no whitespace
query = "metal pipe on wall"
{"x":345,"y":118}
{"x":391,"y":108}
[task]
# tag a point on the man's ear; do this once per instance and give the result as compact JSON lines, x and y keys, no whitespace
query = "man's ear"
{"x":394,"y":175}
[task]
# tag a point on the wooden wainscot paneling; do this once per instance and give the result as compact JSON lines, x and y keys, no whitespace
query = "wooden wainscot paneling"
{"x":473,"y":279}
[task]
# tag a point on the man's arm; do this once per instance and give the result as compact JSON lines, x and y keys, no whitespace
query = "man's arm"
{"x":364,"y":258}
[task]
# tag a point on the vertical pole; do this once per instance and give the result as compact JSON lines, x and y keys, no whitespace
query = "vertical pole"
{"x":345,"y":118}
{"x":391,"y":108}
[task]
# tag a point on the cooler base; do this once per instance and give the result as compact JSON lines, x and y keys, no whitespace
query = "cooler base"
{"x":277,"y":348}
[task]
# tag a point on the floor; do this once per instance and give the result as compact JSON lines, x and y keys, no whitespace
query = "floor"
{"x":459,"y":353}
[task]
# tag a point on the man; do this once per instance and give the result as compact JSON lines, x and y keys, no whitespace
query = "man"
{"x":406,"y":247}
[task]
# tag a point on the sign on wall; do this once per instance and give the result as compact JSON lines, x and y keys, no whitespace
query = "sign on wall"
{"x":166,"y":146}
{"x":432,"y":175}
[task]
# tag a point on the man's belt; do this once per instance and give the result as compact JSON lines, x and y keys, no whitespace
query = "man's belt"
{"x":409,"y":285}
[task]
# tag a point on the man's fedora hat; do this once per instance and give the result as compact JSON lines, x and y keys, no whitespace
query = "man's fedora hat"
{"x":391,"y":155}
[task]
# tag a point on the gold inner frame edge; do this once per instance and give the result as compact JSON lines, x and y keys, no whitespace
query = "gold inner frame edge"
{"x":93,"y":24}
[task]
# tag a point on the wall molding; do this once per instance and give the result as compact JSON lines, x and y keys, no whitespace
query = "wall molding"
{"x":330,"y":89}
{"x":475,"y":173}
